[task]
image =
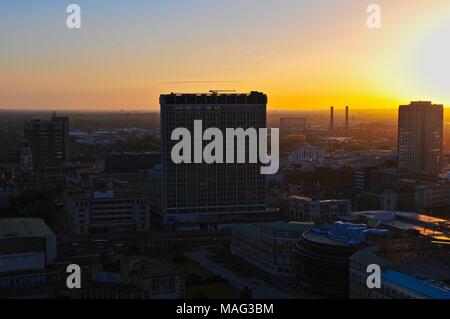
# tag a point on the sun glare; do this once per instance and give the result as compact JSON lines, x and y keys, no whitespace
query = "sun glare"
{"x":432,"y":62}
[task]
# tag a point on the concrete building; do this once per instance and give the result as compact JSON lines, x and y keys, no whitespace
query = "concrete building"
{"x":425,"y":225}
{"x":209,"y":196}
{"x":131,"y":162}
{"x":415,"y":262}
{"x":7,"y":194}
{"x":420,"y":137}
{"x":408,"y":195}
{"x":308,"y":154}
{"x":131,"y":277}
{"x":322,"y":256}
{"x":362,"y":177}
{"x":306,"y":209}
{"x":111,"y":210}
{"x":26,"y":244}
{"x":48,"y":140}
{"x":292,"y":125}
{"x":411,"y":269}
{"x":268,"y":246}
{"x":26,"y":159}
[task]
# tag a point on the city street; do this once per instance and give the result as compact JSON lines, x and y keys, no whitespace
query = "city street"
{"x":260,"y":289}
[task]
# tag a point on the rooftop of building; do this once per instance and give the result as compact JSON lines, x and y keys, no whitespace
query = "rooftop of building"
{"x":426,"y":225}
{"x":249,"y":229}
{"x":370,"y":255}
{"x":425,"y":275}
{"x":214,"y":97}
{"x":421,"y":103}
{"x":343,"y":234}
{"x":105,"y":194}
{"x":53,"y":122}
{"x":287,"y":226}
{"x":215,"y":93}
{"x":157,"y":268}
{"x":423,"y":288}
{"x":23,"y":227}
{"x":275,"y":226}
{"x":309,"y":199}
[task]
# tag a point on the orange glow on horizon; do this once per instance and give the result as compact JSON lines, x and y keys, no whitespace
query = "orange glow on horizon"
{"x":301,"y":65}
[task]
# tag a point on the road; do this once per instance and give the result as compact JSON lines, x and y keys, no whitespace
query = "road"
{"x":260,"y":289}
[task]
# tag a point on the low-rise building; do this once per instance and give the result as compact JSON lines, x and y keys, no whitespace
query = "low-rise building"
{"x":414,"y":263}
{"x":308,"y":154}
{"x":411,"y":269}
{"x":306,"y":209}
{"x":268,"y":246}
{"x":131,"y":277}
{"x":112,"y":210}
{"x":322,"y":256}
{"x":25,"y":244}
{"x":28,"y":253}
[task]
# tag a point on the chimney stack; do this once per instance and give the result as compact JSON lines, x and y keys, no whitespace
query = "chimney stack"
{"x":346,"y":117}
{"x":331,"y":118}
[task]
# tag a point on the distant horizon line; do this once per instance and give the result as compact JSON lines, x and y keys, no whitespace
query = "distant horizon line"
{"x":157,"y":109}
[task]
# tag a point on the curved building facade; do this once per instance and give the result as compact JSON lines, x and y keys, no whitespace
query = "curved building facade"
{"x":322,"y":258}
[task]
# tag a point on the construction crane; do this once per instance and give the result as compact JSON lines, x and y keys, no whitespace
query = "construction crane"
{"x":220,"y":91}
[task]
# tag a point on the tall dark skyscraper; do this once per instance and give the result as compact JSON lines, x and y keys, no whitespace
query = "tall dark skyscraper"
{"x":420,"y":137}
{"x":48,"y":140}
{"x":207,"y":196}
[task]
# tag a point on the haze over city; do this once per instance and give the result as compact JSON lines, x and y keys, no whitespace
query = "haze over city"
{"x":305,"y":55}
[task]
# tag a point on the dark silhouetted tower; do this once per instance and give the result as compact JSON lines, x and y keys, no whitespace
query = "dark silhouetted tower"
{"x":204,"y":196}
{"x":331,"y":118}
{"x":420,"y":137}
{"x":49,"y":141}
{"x":346,"y":117}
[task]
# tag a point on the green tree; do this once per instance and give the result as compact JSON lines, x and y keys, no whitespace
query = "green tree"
{"x":41,"y":209}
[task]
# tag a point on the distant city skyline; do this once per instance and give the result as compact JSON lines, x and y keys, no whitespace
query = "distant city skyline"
{"x":302,"y":54}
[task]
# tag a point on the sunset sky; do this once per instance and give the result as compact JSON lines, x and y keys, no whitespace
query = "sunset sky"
{"x":305,"y":54}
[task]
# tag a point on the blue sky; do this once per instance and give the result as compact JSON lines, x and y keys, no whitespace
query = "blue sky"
{"x":303,"y":53}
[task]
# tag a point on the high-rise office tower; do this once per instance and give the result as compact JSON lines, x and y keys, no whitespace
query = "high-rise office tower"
{"x":209,"y":196}
{"x":420,"y":137}
{"x":48,"y":140}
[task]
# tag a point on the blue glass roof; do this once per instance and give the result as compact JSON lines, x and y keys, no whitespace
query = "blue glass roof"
{"x":421,"y":287}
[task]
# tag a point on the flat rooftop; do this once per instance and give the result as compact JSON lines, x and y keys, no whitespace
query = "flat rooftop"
{"x":420,"y":287}
{"x":217,"y":98}
{"x":429,"y":276}
{"x":158,"y":268}
{"x":287,"y":227}
{"x":324,"y":239}
{"x":343,"y":234}
{"x":309,"y":199}
{"x":426,"y":225}
{"x":23,"y":227}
